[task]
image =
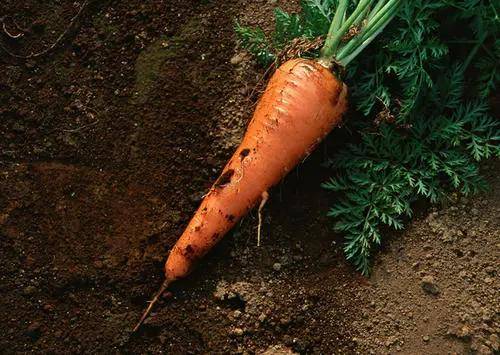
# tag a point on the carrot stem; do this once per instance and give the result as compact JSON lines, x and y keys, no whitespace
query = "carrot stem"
{"x":334,"y":37}
{"x":338,"y":18}
{"x":472,"y":53}
{"x":369,"y":33}
{"x":373,"y":21}
{"x":375,"y":9}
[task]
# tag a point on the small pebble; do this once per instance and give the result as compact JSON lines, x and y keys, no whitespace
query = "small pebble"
{"x":429,"y":285}
{"x":285,"y":321}
{"x":237,"y":59}
{"x":237,"y":331}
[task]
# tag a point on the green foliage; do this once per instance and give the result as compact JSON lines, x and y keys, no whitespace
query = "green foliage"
{"x":255,"y":41}
{"x":313,"y":21}
{"x":489,"y":71}
{"x":317,"y":15}
{"x":422,"y":92}
{"x":288,"y":27}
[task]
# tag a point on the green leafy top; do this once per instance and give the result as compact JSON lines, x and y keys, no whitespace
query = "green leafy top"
{"x":422,"y":92}
{"x":317,"y":18}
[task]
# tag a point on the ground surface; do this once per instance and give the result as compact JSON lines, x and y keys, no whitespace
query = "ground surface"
{"x":107,"y":145}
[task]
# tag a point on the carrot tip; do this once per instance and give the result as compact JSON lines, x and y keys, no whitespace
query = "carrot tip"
{"x":153,"y":301}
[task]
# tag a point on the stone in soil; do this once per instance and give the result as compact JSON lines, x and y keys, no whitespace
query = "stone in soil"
{"x":429,"y":285}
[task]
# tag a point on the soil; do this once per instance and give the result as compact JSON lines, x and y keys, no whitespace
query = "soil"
{"x":108,"y":143}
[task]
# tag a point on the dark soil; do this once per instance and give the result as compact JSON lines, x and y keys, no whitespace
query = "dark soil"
{"x":108,"y":143}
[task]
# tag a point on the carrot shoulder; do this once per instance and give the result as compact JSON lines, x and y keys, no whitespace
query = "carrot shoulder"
{"x":302,"y":103}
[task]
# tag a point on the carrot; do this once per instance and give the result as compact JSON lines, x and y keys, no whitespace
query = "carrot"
{"x":300,"y":106}
{"x":302,"y":103}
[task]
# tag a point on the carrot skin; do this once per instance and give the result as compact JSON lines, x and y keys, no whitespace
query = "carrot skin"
{"x":302,"y":103}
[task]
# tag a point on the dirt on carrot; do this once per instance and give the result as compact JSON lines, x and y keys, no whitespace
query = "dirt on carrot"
{"x":96,"y":185}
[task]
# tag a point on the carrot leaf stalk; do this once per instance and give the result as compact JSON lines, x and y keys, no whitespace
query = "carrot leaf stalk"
{"x":373,"y":27}
{"x":371,"y":24}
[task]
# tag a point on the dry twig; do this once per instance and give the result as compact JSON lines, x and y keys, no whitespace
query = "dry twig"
{"x":53,"y":45}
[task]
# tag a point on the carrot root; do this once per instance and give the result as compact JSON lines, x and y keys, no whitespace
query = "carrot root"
{"x":153,"y":301}
{"x":265,"y":197}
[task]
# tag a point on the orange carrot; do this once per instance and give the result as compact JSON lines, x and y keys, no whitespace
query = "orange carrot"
{"x":302,"y":103}
{"x":300,"y":106}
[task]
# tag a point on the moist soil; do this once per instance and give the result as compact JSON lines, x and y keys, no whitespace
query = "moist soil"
{"x":109,"y":141}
